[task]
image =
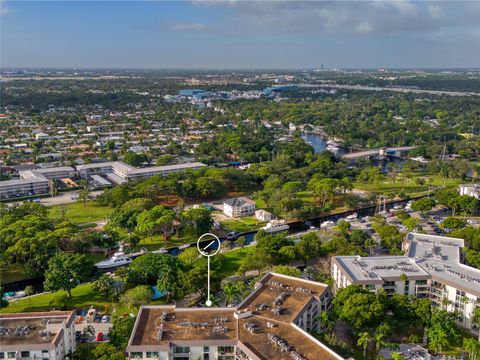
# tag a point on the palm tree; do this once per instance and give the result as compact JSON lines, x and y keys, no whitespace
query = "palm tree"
{"x":379,"y":341}
{"x":473,"y":348}
{"x":437,"y":340}
{"x":230,"y":291}
{"x":363,"y":340}
{"x":29,"y":291}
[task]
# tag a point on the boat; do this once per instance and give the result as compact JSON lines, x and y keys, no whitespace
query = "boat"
{"x":327,"y":224}
{"x":160,"y":251}
{"x":351,"y":217}
{"x":275,"y":226}
{"x":184,"y":246}
{"x":118,"y":259}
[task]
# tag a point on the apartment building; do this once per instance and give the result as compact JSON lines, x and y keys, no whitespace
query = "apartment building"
{"x":470,"y":190}
{"x":24,"y":187}
{"x":34,"y":182}
{"x":127,"y":172}
{"x":431,"y":268}
{"x":271,"y":323}
{"x":37,"y":335}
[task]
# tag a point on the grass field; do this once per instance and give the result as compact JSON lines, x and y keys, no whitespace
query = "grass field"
{"x":78,"y":213}
{"x":233,"y":260}
{"x":410,"y":187}
{"x":242,"y":224}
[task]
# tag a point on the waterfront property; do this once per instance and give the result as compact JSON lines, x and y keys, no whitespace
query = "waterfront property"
{"x":37,"y":335}
{"x":238,"y":207}
{"x":271,"y":323}
{"x":431,"y":268}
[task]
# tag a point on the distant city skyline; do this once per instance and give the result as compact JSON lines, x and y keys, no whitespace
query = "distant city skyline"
{"x":240,"y":34}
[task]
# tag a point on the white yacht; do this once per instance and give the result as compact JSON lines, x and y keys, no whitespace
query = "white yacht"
{"x":160,"y":251}
{"x":352,"y":217}
{"x":275,"y":226}
{"x":184,"y":246}
{"x":118,"y":259}
{"x":327,"y":224}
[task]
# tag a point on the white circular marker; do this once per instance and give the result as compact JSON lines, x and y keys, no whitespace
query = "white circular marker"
{"x":208,"y":303}
{"x":204,"y":250}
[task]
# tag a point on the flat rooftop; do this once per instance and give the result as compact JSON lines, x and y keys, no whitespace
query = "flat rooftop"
{"x":440,"y":257}
{"x":379,"y":268}
{"x":263,"y":347}
{"x":159,"y":327}
{"x":24,"y":329}
{"x":297,"y":294}
{"x":166,"y":324}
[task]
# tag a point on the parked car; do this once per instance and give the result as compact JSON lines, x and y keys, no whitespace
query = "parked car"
{"x":99,"y":336}
{"x":233,"y":235}
{"x":105,"y":319}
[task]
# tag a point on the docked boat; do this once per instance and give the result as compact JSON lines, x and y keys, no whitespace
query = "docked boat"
{"x":160,"y":251}
{"x":184,"y":246}
{"x":275,"y":226}
{"x":327,"y":224}
{"x":118,"y":259}
{"x":352,"y":217}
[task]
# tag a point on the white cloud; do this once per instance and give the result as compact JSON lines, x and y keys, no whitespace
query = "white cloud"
{"x":357,"y":17}
{"x":186,"y":27}
{"x":4,"y":10}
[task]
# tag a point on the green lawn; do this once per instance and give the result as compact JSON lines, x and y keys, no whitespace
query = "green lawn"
{"x":410,"y":187}
{"x":242,"y":224}
{"x":233,"y":259}
{"x":82,"y":296}
{"x":78,"y":213}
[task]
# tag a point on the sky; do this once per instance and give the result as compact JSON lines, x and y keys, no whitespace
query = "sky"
{"x":240,"y":34}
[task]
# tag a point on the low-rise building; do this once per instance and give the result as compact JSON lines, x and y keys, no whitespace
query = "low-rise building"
{"x":470,"y":190}
{"x":431,"y":268}
{"x":263,"y":215}
{"x":273,"y":322}
{"x":37,"y":335}
{"x":238,"y":207}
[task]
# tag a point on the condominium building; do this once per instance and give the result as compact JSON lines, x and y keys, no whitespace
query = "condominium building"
{"x":431,"y":268}
{"x":37,"y":335}
{"x":273,"y":322}
{"x":23,"y":187}
{"x":470,"y":190}
{"x":127,"y":172}
{"x":34,"y":182}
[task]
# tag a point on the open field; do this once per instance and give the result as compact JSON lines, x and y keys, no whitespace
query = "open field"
{"x":242,"y":224}
{"x":78,"y":213}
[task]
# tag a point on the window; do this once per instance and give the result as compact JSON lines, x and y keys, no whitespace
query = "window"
{"x":206,"y":356}
{"x":181,"y":350}
{"x":11,"y":354}
{"x":136,"y":355}
{"x":25,"y":354}
{"x":2,"y":355}
{"x":152,"y":354}
{"x":206,"y":349}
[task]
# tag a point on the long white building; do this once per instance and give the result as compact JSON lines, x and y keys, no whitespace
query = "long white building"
{"x":271,"y":323}
{"x":431,"y":268}
{"x":37,"y":335}
{"x":127,"y":172}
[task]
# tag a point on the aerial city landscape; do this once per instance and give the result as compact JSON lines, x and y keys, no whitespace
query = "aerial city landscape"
{"x":240,"y":180}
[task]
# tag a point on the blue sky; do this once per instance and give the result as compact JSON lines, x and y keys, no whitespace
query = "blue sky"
{"x":240,"y":34}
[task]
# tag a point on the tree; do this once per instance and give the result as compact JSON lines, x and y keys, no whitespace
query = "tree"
{"x":170,"y":276}
{"x":106,"y":351}
{"x":137,"y":296}
{"x":287,"y":270}
{"x":83,"y":196}
{"x":437,"y":339}
{"x":423,"y":205}
{"x":135,"y":159}
{"x":122,"y":327}
{"x":379,"y":341}
{"x":363,"y":340}
{"x":473,"y":348}
{"x":29,"y":291}
{"x":66,"y":271}
{"x":196,"y":221}
{"x":104,"y":284}
{"x":453,"y":223}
